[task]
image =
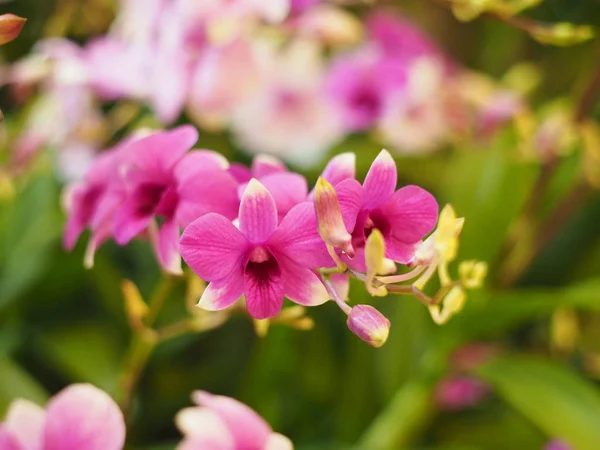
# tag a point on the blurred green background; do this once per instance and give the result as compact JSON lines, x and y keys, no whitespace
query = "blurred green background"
{"x":324,"y":388}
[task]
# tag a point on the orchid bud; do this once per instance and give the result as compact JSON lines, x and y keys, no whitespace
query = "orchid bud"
{"x":135,"y":306}
{"x":376,"y":262}
{"x":562,"y":34}
{"x":369,"y":325}
{"x":10,"y":27}
{"x":472,"y":273}
{"x":453,"y":303}
{"x":329,"y":217}
{"x":449,"y":227}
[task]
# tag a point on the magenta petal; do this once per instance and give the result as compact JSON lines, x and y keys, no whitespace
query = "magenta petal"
{"x":213,"y":247}
{"x":263,"y":165}
{"x":380,"y":182}
{"x":297,"y":238}
{"x":208,"y":191}
{"x":8,"y":441}
{"x":82,"y":417}
{"x":350,"y":196}
{"x":199,"y":160}
{"x":25,"y":421}
{"x":159,"y":152}
{"x":399,"y":251}
{"x":288,"y":189}
{"x":240,"y":172}
{"x":358,"y":262}
{"x":223,"y":293}
{"x":258,"y":213}
{"x":130,"y":220}
{"x":249,"y":430}
{"x":302,"y":285}
{"x":339,"y":168}
{"x":412,"y":213}
{"x":263,"y":287}
{"x":168,"y":247}
{"x":200,"y":443}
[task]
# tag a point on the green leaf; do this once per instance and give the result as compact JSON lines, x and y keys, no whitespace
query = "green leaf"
{"x":553,"y":397}
{"x":83,"y":352}
{"x":408,"y":412}
{"x":16,"y":382}
{"x":29,"y":226}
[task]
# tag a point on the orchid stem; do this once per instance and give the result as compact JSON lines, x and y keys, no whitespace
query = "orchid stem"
{"x":336,"y":297}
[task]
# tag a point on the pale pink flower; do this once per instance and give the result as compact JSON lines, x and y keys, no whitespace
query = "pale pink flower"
{"x":80,"y":417}
{"x":415,"y":119}
{"x":161,"y":182}
{"x":222,"y":423}
{"x":404,"y":216}
{"x":289,"y":116}
{"x":216,"y":85}
{"x":262,"y":260}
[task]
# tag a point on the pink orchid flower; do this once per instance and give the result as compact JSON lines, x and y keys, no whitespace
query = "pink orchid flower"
{"x":161,"y":182}
{"x":287,"y":188}
{"x":404,"y":217}
{"x":262,"y":260}
{"x":92,"y":202}
{"x":222,"y":423}
{"x":80,"y":417}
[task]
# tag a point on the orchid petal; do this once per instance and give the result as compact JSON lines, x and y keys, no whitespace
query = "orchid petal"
{"x":240,"y":172}
{"x":287,"y":189}
{"x":7,"y":440}
{"x":132,"y":217}
{"x":189,"y":166}
{"x":168,"y":248}
{"x":301,"y":285}
{"x":249,"y":430}
{"x":297,"y":237}
{"x":263,"y":165}
{"x":158,"y":153}
{"x":279,"y":442}
{"x":213,"y":247}
{"x":223,"y":293}
{"x":200,"y":425}
{"x":207,"y":192}
{"x":339,"y":168}
{"x":25,"y":421}
{"x":264,"y":288}
{"x":412,"y":213}
{"x":350,"y":196}
{"x":380,"y":182}
{"x":399,"y":251}
{"x":258,"y":213}
{"x":82,"y":417}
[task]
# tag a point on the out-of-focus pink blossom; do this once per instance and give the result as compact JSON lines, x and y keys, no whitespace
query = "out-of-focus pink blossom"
{"x":217,"y":87}
{"x":360,"y":85}
{"x":161,"y":182}
{"x":557,"y":444}
{"x":289,"y":116}
{"x":262,"y":260}
{"x":415,"y":119}
{"x":222,"y":423}
{"x":404,"y":217}
{"x":456,"y":393}
{"x":80,"y":417}
{"x":472,"y":355}
{"x":398,"y":38}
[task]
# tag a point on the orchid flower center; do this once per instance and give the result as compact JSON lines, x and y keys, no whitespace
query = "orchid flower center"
{"x":262,"y":265}
{"x":368,"y":221}
{"x":157,"y":199}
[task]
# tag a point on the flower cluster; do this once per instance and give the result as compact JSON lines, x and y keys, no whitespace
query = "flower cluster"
{"x":312,"y":74}
{"x":82,"y":417}
{"x":258,"y":233}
